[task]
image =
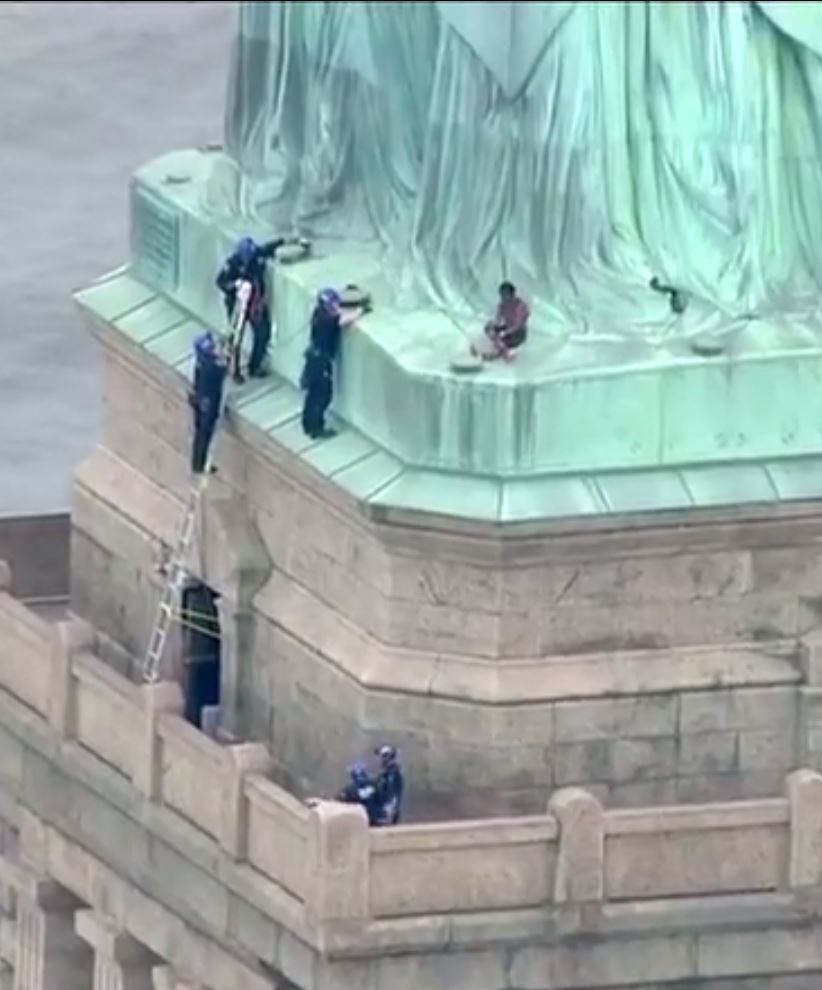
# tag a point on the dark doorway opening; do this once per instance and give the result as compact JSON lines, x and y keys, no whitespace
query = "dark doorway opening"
{"x":201,"y":650}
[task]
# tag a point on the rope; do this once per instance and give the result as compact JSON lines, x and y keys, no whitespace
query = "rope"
{"x":195,"y":627}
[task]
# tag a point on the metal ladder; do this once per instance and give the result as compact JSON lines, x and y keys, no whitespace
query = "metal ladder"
{"x":239,"y":320}
{"x":176,"y":576}
{"x":176,"y":573}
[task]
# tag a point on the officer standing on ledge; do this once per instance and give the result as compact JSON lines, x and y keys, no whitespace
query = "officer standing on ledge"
{"x":327,"y":324}
{"x":247,"y":263}
{"x":206,"y":396}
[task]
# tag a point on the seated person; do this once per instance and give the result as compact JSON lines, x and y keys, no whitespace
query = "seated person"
{"x":362,"y":789}
{"x":508,"y":330}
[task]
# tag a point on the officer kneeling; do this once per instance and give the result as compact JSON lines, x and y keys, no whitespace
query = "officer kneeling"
{"x":362,"y":789}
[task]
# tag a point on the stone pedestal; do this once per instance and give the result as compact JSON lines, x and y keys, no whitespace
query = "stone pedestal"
{"x":120,"y":962}
{"x":649,"y":658}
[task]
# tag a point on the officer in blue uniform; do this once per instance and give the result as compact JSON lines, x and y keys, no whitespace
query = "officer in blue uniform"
{"x":247,"y":263}
{"x":361,"y":789}
{"x":206,"y":396}
{"x":327,"y":323}
{"x":390,"y":786}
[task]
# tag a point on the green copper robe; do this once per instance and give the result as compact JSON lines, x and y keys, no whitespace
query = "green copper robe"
{"x":575,"y":148}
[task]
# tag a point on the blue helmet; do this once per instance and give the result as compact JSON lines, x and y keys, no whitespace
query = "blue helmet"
{"x":245,"y":248}
{"x":329,"y":298}
{"x":358,"y":772}
{"x":205,"y":346}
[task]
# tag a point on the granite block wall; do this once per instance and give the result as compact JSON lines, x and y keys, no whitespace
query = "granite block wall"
{"x":650,"y":663}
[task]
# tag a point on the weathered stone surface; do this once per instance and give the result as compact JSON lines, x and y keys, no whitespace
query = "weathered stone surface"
{"x":643,"y":759}
{"x":336,"y":566}
{"x":640,"y":794}
{"x":11,"y":762}
{"x":649,"y":717}
{"x":251,"y":928}
{"x":296,"y":961}
{"x":108,"y":939}
{"x":338,"y":853}
{"x":407,"y":871}
{"x":442,"y":628}
{"x":167,"y":935}
{"x":191,"y":781}
{"x":707,"y":753}
{"x":102,"y":712}
{"x":580,"y":868}
{"x":572,"y":962}
{"x":599,"y":628}
{"x":114,"y":835}
{"x":469,"y":724}
{"x":119,"y":597}
{"x":446,"y":582}
{"x":44,"y":790}
{"x":157,"y":699}
{"x":741,"y":709}
{"x":750,"y":953}
{"x":186,"y":889}
{"x":767,"y":750}
{"x":147,"y":453}
{"x":477,"y":970}
{"x":652,"y":962}
{"x":810,"y":703}
{"x":805,"y":803}
{"x":48,"y":954}
{"x":588,"y":762}
{"x":703,"y":789}
{"x":242,"y":760}
{"x":164,"y":411}
{"x":689,"y":863}
{"x":520,"y":724}
{"x":342,"y":975}
{"x":809,"y":981}
{"x":811,"y":659}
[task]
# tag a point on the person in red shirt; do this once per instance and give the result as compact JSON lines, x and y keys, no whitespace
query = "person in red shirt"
{"x":508,"y":330}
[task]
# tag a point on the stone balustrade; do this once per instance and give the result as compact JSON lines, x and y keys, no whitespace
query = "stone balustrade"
{"x":324,"y":866}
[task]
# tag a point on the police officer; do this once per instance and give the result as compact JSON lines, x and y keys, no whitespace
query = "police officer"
{"x":247,"y":263}
{"x":205,"y":398}
{"x":361,"y":789}
{"x":390,"y":786}
{"x":327,"y":324}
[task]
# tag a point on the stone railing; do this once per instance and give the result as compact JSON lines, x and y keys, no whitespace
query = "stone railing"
{"x":25,"y":665}
{"x":324,"y":864}
{"x":489,"y":865}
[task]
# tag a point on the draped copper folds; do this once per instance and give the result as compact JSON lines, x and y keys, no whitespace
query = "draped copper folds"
{"x":576,"y":148}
